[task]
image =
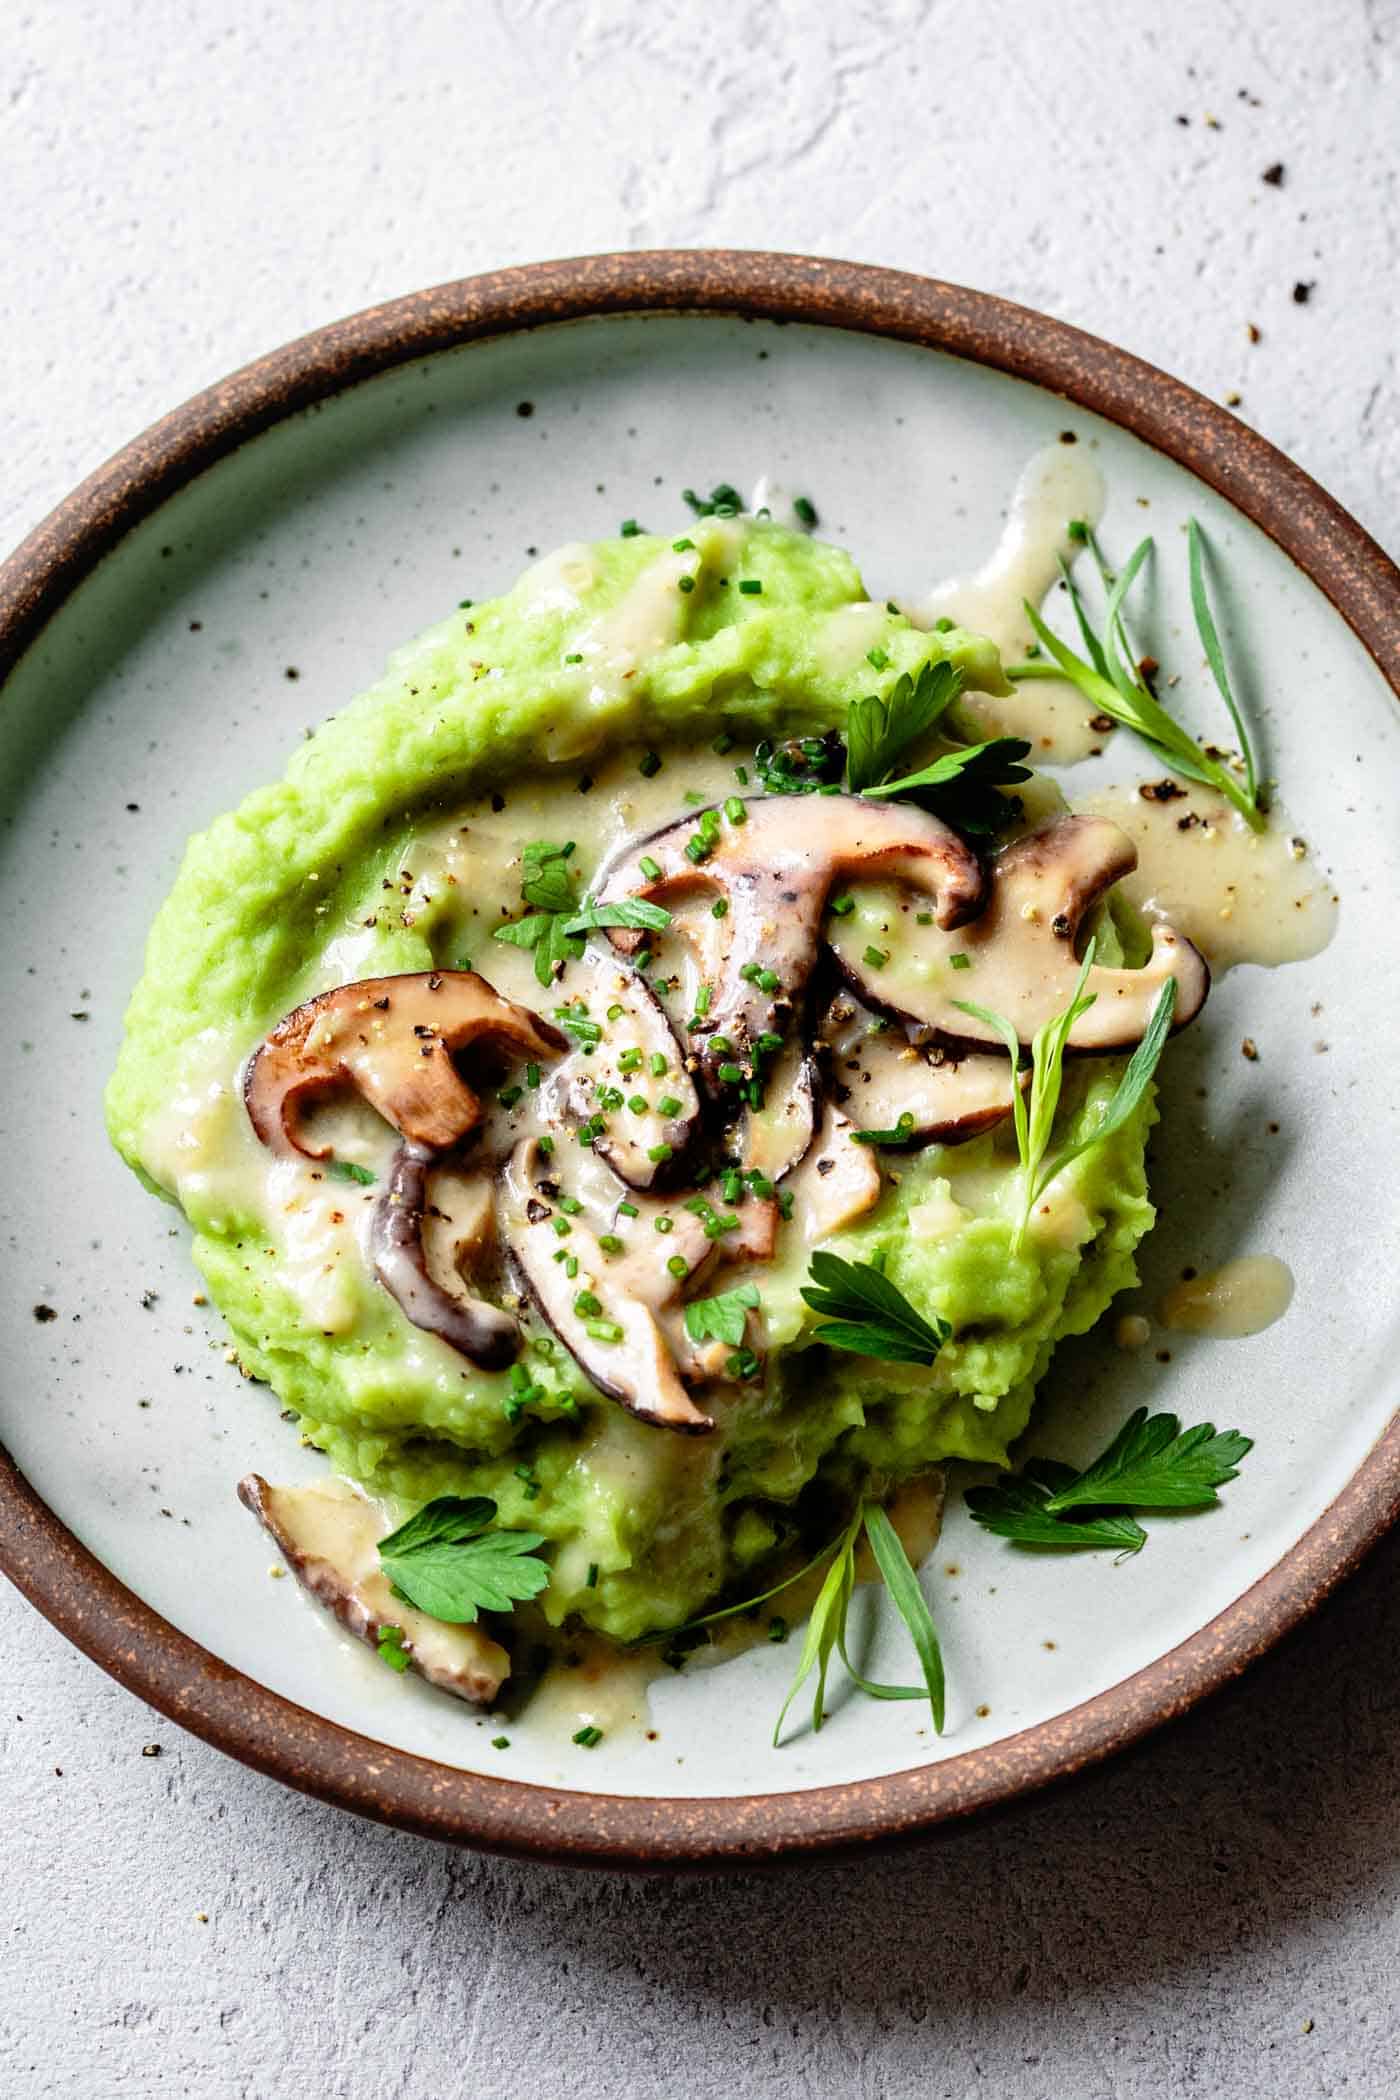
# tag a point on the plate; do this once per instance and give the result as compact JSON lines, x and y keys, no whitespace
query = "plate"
{"x":236,"y":574}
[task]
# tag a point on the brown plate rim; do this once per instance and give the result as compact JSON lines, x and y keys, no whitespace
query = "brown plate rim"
{"x":183,"y":1680}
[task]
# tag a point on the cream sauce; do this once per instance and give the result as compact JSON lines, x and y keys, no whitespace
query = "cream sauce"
{"x":1241,"y":896}
{"x":1242,"y":1297}
{"x":1058,"y":484}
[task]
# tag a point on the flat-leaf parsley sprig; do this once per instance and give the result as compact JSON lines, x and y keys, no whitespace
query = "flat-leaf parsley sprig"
{"x":877,"y":730}
{"x":447,"y":1562}
{"x":862,"y":1311}
{"x":1034,"y":1121}
{"x":1152,"y":1463}
{"x":555,"y":928}
{"x":1112,"y":680}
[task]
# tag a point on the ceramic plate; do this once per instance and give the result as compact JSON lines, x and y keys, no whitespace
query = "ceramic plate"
{"x":232,"y":577}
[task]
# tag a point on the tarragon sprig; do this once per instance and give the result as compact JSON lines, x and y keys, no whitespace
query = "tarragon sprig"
{"x":1109,"y":677}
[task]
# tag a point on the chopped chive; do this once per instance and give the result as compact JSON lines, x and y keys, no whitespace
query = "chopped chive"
{"x":659,"y":1154}
{"x":509,"y":1095}
{"x":768,"y":980}
{"x":749,"y":973}
{"x":750,"y":586}
{"x":735,"y":811}
{"x":603,"y":1330}
{"x":682,"y":546}
{"x":563,"y":1228}
{"x":720,"y":1222}
{"x":629,"y":1060}
{"x":678,"y":1265}
{"x":923,"y":918}
{"x":732,"y":1184}
{"x":841,"y":907}
{"x":805,"y":509}
{"x":546,"y":1145}
{"x":944,"y":626}
{"x":615,"y":1012}
{"x":642,"y":958}
{"x":592,"y":1581}
{"x":571,"y":1266}
{"x":627,"y":1210}
{"x":720,"y":908}
{"x":760,"y":1184}
{"x":723,"y":744}
{"x":741,"y":774}
{"x":668,"y":1105}
{"x":720,"y":1043}
{"x":876,"y":957}
{"x":877,"y":658}
{"x":610,"y":1243}
{"x":589,"y":1738}
{"x":768,"y":1043}
{"x":650,"y":868}
{"x":500,"y":1742}
{"x":657,"y":1064}
{"x":532,"y":1075}
{"x":663,"y":1224}
{"x":777,"y":1628}
{"x":785,"y":1202}
{"x":649,"y":764}
{"x":629,"y":528}
{"x":687,"y":583}
{"x":638,"y":1103}
{"x":575,"y":658}
{"x":697,"y":849}
{"x":961,"y":962}
{"x":702,"y":1000}
{"x":730,"y":1075}
{"x":346,"y":1170}
{"x":570,"y":1206}
{"x":585,"y":1304}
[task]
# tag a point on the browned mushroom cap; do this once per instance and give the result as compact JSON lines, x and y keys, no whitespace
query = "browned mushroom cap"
{"x":392,"y":1038}
{"x":622,"y":1348}
{"x":776,"y":1135}
{"x":645,"y":1147}
{"x":776,"y":869}
{"x":885,"y":1083}
{"x":836,"y":1183}
{"x":482,"y":1333}
{"x":1020,"y":957}
{"x":328,"y":1533}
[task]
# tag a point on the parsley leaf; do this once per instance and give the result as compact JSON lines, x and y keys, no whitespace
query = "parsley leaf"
{"x":547,"y":882}
{"x":877,"y":730}
{"x":961,"y":785}
{"x":628,"y":911}
{"x":1152,"y":1463}
{"x":863,"y":1312}
{"x":446,"y":1562}
{"x":721,"y":1318}
{"x":544,"y":931}
{"x":1015,"y":1508}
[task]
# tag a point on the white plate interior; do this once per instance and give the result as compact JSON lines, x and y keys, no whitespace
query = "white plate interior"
{"x":165,"y":683}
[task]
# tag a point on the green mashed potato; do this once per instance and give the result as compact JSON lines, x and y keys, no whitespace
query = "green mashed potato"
{"x":393,"y":844}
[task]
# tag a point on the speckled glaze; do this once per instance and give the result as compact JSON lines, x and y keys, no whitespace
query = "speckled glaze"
{"x":139,"y":1647}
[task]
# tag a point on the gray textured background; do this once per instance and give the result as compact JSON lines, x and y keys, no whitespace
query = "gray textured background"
{"x":185,"y":185}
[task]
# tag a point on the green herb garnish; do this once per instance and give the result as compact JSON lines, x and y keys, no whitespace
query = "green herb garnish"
{"x":878,"y":730}
{"x":390,"y":1648}
{"x":1035,"y":1121}
{"x":346,"y":1170}
{"x":721,"y":1318}
{"x":961,"y":784}
{"x":826,"y":1628}
{"x":1116,"y":685}
{"x":1152,"y":1463}
{"x":900,"y":1134}
{"x":863,"y":1312}
{"x":448,"y":1563}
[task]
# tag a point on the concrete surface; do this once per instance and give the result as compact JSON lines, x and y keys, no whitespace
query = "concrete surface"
{"x":185,"y":185}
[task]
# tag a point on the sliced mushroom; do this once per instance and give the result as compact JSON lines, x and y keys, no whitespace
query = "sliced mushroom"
{"x":776,"y":1135}
{"x":880,"y":1079}
{"x":393,"y":1039}
{"x":328,"y":1533}
{"x":632,"y":1362}
{"x":775,"y":869}
{"x":836,"y":1183}
{"x":484,"y":1334}
{"x":645,"y":1147}
{"x":1020,"y":954}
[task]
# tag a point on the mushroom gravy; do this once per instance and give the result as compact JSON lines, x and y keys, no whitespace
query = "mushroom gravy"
{"x":1059,"y":484}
